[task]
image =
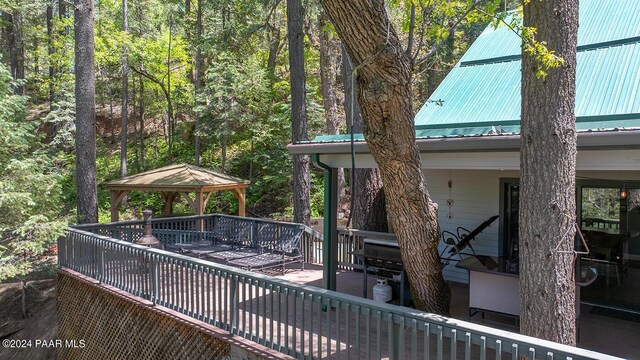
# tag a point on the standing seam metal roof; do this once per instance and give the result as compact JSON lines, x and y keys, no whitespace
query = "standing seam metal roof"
{"x":481,"y":94}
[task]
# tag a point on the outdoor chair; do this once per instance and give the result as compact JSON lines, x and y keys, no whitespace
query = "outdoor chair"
{"x":286,"y":251}
{"x":227,"y":234}
{"x":456,"y":243}
{"x":264,"y":240}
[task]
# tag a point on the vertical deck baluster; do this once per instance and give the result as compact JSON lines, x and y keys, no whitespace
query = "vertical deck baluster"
{"x":286,"y":320}
{"x":182,"y":285}
{"x":498,"y":349}
{"x":219,"y":290}
{"x":414,"y":339}
{"x":439,"y":344}
{"x":279,"y":318}
{"x":294,"y":327}
{"x":514,"y":351}
{"x":320,"y":330}
{"x":367,"y":333}
{"x":454,"y":344}
{"x":338,"y":347}
{"x":264,"y":312}
{"x":347,"y":328}
{"x":356,"y":311}
{"x":401,"y":338}
{"x":302,"y":318}
{"x":235,"y":289}
{"x":378,"y":334}
{"x":251,"y":309}
{"x":271,"y":319}
{"x":391,"y":338}
{"x":311,"y":309}
{"x":190,"y":289}
{"x":328,"y":307}
{"x":203,"y":293}
{"x":244,"y":306}
{"x":467,"y":346}
{"x":483,"y":347}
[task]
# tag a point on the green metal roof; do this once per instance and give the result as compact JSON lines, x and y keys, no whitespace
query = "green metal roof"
{"x":481,"y":94}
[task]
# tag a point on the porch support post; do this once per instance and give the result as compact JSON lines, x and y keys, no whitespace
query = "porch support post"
{"x":330,"y":231}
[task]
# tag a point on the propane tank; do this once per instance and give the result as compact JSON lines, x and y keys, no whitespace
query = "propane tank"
{"x":382,"y":291}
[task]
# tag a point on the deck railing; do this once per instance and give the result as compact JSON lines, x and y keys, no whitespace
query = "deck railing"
{"x":298,"y":320}
{"x":172,"y":230}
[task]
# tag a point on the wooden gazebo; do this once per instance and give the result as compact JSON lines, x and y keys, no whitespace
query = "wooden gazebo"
{"x":178,"y":180}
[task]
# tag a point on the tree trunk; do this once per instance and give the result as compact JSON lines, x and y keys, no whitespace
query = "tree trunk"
{"x":16,"y":49}
{"x":198,"y":78}
{"x":301,"y":175}
{"x":170,"y":119}
{"x":274,"y":49}
{"x":223,"y":151}
{"x":17,"y":26}
{"x":369,"y":209}
{"x":111,"y":118}
{"x":50,"y":51}
{"x":134,"y":107}
{"x":384,"y":92}
{"x":125,"y":96}
{"x":328,"y":61}
{"x":141,"y":115}
{"x":85,"y":112}
{"x":547,"y":184}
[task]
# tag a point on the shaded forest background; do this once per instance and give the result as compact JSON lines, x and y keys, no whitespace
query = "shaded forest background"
{"x":180,"y":77}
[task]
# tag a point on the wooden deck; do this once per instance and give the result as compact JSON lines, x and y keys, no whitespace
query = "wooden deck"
{"x":598,"y":333}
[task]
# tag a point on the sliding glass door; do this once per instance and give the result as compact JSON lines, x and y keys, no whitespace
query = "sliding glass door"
{"x":609,"y":218}
{"x":608,"y":214}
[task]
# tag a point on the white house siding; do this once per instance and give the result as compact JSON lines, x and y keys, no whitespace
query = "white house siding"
{"x":476,"y":197}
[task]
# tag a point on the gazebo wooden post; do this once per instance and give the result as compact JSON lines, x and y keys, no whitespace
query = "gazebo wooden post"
{"x":116,"y":198}
{"x":239,"y":193}
{"x":199,"y":208}
{"x":241,"y":202}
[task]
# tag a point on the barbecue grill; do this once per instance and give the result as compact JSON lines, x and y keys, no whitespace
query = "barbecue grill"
{"x":381,"y":258}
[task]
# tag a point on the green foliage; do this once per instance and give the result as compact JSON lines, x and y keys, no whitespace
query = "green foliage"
{"x":30,"y":193}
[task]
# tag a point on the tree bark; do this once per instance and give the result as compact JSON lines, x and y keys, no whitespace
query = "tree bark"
{"x":369,"y":209}
{"x":50,"y":51}
{"x":170,"y":119}
{"x":141,"y":115}
{"x":328,"y":61}
{"x":301,"y":175}
{"x":85,"y":112}
{"x":384,"y":92}
{"x":274,"y":49}
{"x":547,"y":184}
{"x":13,"y":40}
{"x":198,"y":78}
{"x":125,"y":96}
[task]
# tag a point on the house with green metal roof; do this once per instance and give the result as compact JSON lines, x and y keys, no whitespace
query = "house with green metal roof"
{"x":468,"y":135}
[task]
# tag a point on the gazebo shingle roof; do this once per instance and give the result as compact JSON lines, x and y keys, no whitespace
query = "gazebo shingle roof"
{"x":180,"y":176}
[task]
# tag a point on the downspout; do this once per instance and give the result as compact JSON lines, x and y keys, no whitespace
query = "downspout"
{"x":330,"y":228}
